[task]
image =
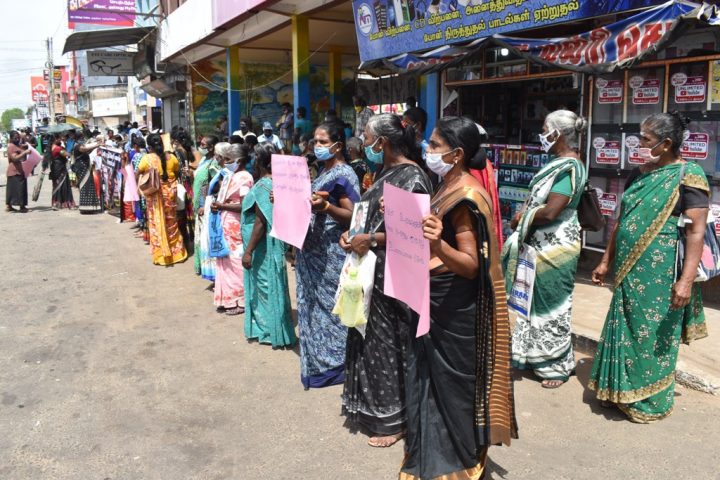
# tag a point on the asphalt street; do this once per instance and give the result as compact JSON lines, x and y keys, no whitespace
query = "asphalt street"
{"x":112,"y":368}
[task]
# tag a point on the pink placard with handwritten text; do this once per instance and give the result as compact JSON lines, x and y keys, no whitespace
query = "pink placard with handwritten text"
{"x":407,"y":273}
{"x":292,"y":191}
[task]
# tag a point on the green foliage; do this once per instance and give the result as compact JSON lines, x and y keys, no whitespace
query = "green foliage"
{"x":8,"y":116}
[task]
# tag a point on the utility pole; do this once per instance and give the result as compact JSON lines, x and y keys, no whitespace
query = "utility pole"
{"x":51,"y":74}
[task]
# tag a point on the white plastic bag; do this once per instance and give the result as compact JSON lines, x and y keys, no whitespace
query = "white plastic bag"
{"x":521,"y":293}
{"x":366,"y":275}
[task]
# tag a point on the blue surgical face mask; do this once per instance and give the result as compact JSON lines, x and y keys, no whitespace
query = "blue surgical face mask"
{"x":323,"y":154}
{"x":372,"y":156}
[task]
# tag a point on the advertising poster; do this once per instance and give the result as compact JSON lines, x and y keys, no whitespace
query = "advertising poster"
{"x":385,"y":28}
{"x":695,"y":146}
{"x":689,"y":89}
{"x":608,"y":203}
{"x":608,"y":153}
{"x":116,"y":13}
{"x":610,"y":91}
{"x":645,"y":91}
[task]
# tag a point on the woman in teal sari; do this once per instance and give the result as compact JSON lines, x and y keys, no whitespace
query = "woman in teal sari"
{"x":653,"y":307}
{"x":268,"y":314}
{"x":548,"y":226}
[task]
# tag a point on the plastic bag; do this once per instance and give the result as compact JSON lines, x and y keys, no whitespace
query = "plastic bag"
{"x":364,"y":269}
{"x":521,"y":293}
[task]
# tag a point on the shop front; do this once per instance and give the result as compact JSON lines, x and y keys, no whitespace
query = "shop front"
{"x":614,"y":68}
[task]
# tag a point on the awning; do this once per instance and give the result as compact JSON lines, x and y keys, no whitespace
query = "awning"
{"x":105,"y":38}
{"x":604,"y":49}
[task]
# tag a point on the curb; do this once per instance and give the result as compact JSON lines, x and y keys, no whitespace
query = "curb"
{"x":685,"y":378}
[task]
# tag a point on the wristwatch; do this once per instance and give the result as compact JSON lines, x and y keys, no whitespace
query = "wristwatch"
{"x":373,"y":241}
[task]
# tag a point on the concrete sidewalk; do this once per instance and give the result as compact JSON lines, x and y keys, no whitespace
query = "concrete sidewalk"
{"x":698,"y":365}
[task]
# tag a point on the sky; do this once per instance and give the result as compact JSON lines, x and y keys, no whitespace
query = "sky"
{"x":22,"y":46}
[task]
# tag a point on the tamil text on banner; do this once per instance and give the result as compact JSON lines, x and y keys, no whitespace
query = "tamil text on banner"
{"x":407,"y":263}
{"x":111,"y":182}
{"x":291,"y":205}
{"x":386,"y":28}
{"x":116,"y":13}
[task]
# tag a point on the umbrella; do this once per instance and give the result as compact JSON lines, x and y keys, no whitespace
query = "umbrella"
{"x":61,"y":127}
{"x":74,"y":121}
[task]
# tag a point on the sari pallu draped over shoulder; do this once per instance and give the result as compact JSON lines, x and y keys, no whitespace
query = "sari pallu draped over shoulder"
{"x":459,"y":386}
{"x":635,"y":361}
{"x":542,"y":339}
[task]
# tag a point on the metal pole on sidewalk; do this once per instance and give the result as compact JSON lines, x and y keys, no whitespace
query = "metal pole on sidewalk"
{"x":51,"y":71}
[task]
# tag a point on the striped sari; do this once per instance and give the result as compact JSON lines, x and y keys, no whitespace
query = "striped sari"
{"x":541,"y":339}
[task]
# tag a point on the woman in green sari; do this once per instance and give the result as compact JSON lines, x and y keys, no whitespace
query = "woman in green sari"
{"x":653,"y":307}
{"x":548,"y":226}
{"x":268,"y":314}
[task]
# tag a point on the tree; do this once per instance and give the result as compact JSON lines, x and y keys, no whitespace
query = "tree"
{"x":8,"y":116}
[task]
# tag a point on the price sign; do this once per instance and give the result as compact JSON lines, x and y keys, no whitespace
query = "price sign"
{"x":695,"y":146}
{"x":692,"y":90}
{"x":609,"y":153}
{"x":610,"y":91}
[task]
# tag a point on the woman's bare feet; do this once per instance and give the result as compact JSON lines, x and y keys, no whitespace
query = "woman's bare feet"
{"x":386,"y":441}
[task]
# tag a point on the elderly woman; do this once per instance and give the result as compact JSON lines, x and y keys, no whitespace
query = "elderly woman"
{"x":318,"y":264}
{"x":166,"y":242}
{"x":374,"y":395}
{"x":206,"y":171}
{"x":62,"y":196}
{"x":234,"y":183}
{"x":458,"y":390}
{"x":85,"y":171}
{"x":654,"y":307}
{"x":268,"y":312}
{"x":548,"y":223}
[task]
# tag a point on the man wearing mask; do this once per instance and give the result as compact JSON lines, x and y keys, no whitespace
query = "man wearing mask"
{"x":245,"y":128}
{"x":363,"y":114}
{"x":16,"y":193}
{"x":269,"y":137}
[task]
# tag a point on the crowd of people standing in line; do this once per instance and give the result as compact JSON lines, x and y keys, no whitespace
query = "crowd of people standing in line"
{"x":449,"y":393}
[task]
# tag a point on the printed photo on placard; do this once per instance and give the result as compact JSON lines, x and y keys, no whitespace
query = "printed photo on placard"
{"x":359,"y":218}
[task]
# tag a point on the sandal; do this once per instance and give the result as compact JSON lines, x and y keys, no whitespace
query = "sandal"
{"x":235,"y":311}
{"x":552,"y":383}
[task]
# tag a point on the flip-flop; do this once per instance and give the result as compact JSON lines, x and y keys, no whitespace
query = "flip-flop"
{"x":545,"y":385}
{"x":235,"y":311}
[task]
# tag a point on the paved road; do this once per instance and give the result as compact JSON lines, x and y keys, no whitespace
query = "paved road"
{"x":111,"y":368}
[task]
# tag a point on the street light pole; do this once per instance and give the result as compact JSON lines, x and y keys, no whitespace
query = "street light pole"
{"x":51,"y":71}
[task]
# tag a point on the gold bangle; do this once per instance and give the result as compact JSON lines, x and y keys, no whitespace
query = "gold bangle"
{"x":326,"y":207}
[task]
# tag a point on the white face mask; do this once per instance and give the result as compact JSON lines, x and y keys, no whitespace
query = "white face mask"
{"x":231,"y":167}
{"x":547,"y":144}
{"x":646,"y":153}
{"x":436,"y":164}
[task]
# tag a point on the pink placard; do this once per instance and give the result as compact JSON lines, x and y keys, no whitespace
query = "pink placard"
{"x":292,"y":192}
{"x":31,"y":160}
{"x":131,"y":189}
{"x":407,"y":264}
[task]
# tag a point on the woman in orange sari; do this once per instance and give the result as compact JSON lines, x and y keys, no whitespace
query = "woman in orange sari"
{"x":165,"y":239}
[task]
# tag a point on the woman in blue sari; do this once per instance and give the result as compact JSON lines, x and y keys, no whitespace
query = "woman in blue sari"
{"x":268,"y":313}
{"x":318,"y":264}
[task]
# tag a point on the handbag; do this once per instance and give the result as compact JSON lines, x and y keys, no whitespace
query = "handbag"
{"x":149,"y":182}
{"x":521,"y":293}
{"x":709,"y":266}
{"x":589,"y":214}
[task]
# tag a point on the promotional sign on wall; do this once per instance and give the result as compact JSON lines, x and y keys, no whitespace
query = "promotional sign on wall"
{"x":386,"y":28}
{"x":695,"y":146}
{"x":105,"y":63}
{"x":608,"y":203}
{"x":689,"y":89}
{"x":110,"y":107}
{"x":608,"y":153}
{"x":39,"y":90}
{"x":117,"y":13}
{"x":645,"y":91}
{"x":610,"y":91}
